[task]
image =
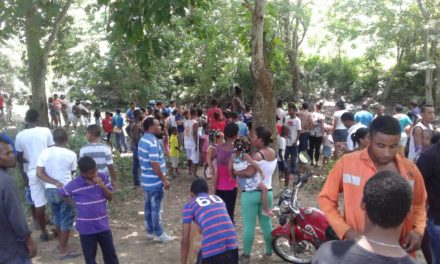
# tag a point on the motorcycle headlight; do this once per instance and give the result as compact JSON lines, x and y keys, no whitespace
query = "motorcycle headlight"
{"x":287,"y":194}
{"x":284,"y":206}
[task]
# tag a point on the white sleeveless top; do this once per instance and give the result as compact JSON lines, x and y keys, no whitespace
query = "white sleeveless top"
{"x":188,"y":137}
{"x":412,"y":147}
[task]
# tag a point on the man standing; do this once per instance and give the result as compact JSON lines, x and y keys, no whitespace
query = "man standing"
{"x":404,"y":121}
{"x":137,"y":132}
{"x":29,"y":143}
{"x":191,"y":140}
{"x":16,"y":243}
{"x":154,"y":180}
{"x":243,"y":130}
{"x":64,"y":110}
{"x":306,"y":125}
{"x":428,"y":164}
{"x":294,"y":124}
{"x":213,"y":109}
{"x":416,"y":135}
{"x":349,"y":122}
{"x":364,"y":116}
{"x":353,"y":170}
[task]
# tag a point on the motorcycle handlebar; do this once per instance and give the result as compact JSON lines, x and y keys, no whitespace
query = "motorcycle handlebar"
{"x":304,"y":177}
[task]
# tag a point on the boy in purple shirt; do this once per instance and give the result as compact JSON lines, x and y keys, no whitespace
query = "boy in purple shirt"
{"x":90,"y":192}
{"x":219,"y":242}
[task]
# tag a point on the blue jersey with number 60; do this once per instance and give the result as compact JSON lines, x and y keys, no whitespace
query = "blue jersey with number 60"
{"x":209,"y":212}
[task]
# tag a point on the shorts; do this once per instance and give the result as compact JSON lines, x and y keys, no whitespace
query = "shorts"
{"x":403,"y":139}
{"x":340,"y":135}
{"x":63,"y":213}
{"x":230,"y":257}
{"x":37,"y":190}
{"x":192,"y":154}
{"x":282,"y":165}
{"x":27,"y":196}
{"x":327,"y":151}
{"x":174,"y":162}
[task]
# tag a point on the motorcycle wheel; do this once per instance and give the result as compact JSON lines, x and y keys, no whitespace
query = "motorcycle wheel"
{"x":301,"y":252}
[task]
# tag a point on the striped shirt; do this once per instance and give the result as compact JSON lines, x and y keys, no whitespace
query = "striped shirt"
{"x":150,"y":150}
{"x":209,"y":212}
{"x":99,"y":152}
{"x":91,"y":204}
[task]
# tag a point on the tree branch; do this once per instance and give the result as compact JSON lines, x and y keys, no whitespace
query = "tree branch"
{"x":248,"y":5}
{"x":56,"y":28}
{"x":423,"y":10}
{"x":305,"y":28}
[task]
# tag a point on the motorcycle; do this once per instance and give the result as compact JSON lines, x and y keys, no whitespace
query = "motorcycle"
{"x":302,"y":229}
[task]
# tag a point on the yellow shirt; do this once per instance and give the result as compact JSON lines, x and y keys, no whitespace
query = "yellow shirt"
{"x":174,"y":145}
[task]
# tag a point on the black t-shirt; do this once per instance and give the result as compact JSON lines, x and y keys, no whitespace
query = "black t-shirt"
{"x":348,"y":252}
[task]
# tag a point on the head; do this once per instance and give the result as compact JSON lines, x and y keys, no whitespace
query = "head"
{"x":234,"y":117}
{"x":380,"y":110}
{"x":138,"y":115}
{"x":398,"y":109}
{"x":77,"y":102}
{"x":193,"y":112}
{"x":384,"y":139}
{"x":152,"y":125}
{"x":305,"y":106}
{"x":87,"y":167}
{"x":364,"y":106}
{"x":238,"y":90}
{"x":428,"y":113}
{"x":118,"y":111}
{"x":347,"y":119}
{"x":280,"y":103}
{"x":55,"y":96}
{"x":107,"y":114}
{"x":93,"y":132}
{"x":60,"y":136}
{"x":132,"y":105}
{"x":7,"y":157}
{"x":319,"y":105}
{"x":31,"y":116}
{"x":214,"y":103}
{"x":231,"y":131}
{"x":262,"y":137}
{"x":199,"y":112}
{"x":340,"y":105}
{"x":174,"y":130}
{"x":413,"y":103}
{"x":387,"y":199}
{"x":239,"y":146}
{"x":361,"y":137}
{"x":199,"y":186}
{"x":62,"y":97}
{"x":159,"y":104}
{"x":291,"y":109}
{"x":428,"y":134}
{"x":285,"y":131}
{"x":50,"y":100}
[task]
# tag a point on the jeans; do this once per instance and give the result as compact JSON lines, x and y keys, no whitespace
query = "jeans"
{"x":434,"y":233}
{"x":303,"y":141}
{"x":63,"y":213}
{"x":19,"y":259}
{"x":89,"y":245}
{"x":292,"y":153}
{"x":153,"y":211}
{"x":136,"y":165}
{"x":120,"y":142}
{"x":314,"y":148}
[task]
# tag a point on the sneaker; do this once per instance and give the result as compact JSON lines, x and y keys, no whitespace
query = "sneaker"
{"x":150,"y":236}
{"x":164,"y":238}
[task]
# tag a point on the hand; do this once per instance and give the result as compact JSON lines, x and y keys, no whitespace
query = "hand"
{"x":115,"y":185}
{"x":166,"y":184}
{"x":31,"y":247}
{"x":412,"y":241}
{"x":98,"y":181}
{"x":351,"y":234}
{"x":59,"y":185}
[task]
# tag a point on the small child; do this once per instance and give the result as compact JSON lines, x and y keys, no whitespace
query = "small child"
{"x":208,"y":212}
{"x":427,"y":134}
{"x":281,"y":146}
{"x":204,"y":142}
{"x":90,"y":192}
{"x":215,"y":138}
{"x":107,"y":125}
{"x":240,"y":160}
{"x":361,"y":138}
{"x":174,"y":150}
{"x":328,"y":145}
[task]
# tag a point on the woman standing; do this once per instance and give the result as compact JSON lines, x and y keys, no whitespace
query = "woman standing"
{"x":340,"y":132}
{"x":316,"y":133}
{"x":222,"y":183}
{"x":251,"y":203}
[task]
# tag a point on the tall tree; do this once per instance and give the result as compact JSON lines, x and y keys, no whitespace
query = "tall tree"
{"x":40,"y":20}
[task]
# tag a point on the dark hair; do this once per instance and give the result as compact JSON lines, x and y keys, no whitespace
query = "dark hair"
{"x":234,"y":115}
{"x":424,"y":107}
{"x":173,"y":129}
{"x":305,"y":106}
{"x":231,"y":130}
{"x":199,"y":185}
{"x":193,"y":111}
{"x":347,"y":116}
{"x":341,"y":105}
{"x":165,"y":114}
{"x":285,"y":131}
{"x":238,"y":90}
{"x":107,"y":113}
{"x":280,"y":103}
{"x":31,"y":116}
{"x":364,"y":106}
{"x":199,"y":112}
{"x":143,"y":109}
{"x":385,"y":124}
{"x":387,"y":198}
{"x":398,"y":108}
{"x":214,"y":102}
{"x":174,"y":112}
{"x":86,"y":164}
{"x":292,"y":106}
{"x":137,"y":113}
{"x":59,"y":135}
{"x":94,"y":130}
{"x":264,"y":134}
{"x":359,"y":134}
{"x":118,"y":111}
{"x":148,"y":122}
{"x":217,"y":116}
{"x":247,"y":108}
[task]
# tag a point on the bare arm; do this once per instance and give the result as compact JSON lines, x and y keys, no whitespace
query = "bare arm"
{"x":108,"y":194}
{"x":184,"y":243}
{"x":418,"y":137}
{"x":195,"y":133}
{"x":158,"y":172}
{"x":113,"y":176}
{"x":252,"y":162}
{"x":41,"y":173}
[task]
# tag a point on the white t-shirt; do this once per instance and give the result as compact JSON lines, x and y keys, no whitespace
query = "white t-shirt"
{"x":294,"y":125}
{"x":412,"y":147}
{"x":281,"y":144}
{"x":281,"y":114}
{"x":328,"y":140}
{"x":58,"y":164}
{"x":32,"y":142}
{"x":337,"y":117}
{"x":351,"y":130}
{"x":188,"y":138}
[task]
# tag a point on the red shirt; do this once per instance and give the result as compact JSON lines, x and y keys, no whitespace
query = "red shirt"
{"x":218,"y":125}
{"x":1,"y":101}
{"x":211,"y":112}
{"x":107,"y":124}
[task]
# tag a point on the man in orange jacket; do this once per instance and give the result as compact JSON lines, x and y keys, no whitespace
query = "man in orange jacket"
{"x":353,"y":170}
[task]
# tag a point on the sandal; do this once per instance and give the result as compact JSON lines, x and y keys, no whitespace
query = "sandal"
{"x":268,"y":213}
{"x":69,"y":255}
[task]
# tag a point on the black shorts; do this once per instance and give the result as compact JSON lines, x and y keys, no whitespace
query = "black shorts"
{"x":229,"y":257}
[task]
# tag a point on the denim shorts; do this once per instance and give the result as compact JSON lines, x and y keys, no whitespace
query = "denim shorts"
{"x":340,"y":135}
{"x":327,"y":151}
{"x":63,"y":213}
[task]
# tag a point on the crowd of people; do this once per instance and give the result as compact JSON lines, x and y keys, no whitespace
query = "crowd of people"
{"x":379,"y":155}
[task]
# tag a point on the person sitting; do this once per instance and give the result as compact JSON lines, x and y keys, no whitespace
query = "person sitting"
{"x":387,"y":200}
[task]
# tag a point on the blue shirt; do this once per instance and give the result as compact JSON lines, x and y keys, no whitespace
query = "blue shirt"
{"x":210,"y":214}
{"x":130,"y":114}
{"x":150,"y":150}
{"x":118,"y":121}
{"x":404,"y":121}
{"x":364,"y":117}
{"x":243,"y":130}
{"x":180,"y":128}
